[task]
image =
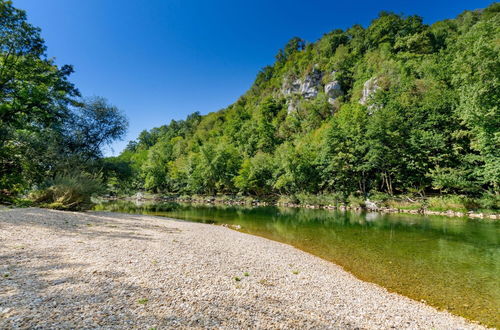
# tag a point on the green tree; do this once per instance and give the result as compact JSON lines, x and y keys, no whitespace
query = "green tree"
{"x":477,"y":79}
{"x":255,"y":176}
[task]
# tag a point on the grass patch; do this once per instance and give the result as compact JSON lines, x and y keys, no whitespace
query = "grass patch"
{"x":237,"y":279}
{"x":405,"y":205}
{"x":450,"y":203}
{"x":246,"y":274}
{"x":142,"y":301}
{"x":265,"y":282}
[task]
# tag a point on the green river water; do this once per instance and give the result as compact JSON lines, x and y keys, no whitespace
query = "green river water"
{"x":450,"y":263}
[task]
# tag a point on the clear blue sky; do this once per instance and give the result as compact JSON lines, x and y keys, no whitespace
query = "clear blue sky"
{"x":159,"y":60}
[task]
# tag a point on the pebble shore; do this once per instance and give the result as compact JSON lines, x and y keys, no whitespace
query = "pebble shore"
{"x":110,"y":270}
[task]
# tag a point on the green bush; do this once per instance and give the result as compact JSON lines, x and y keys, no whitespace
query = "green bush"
{"x":285,"y":199}
{"x":22,"y":202}
{"x":379,"y":197}
{"x":454,"y":203}
{"x":489,"y":201}
{"x":69,"y":191}
{"x":319,"y":199}
{"x":356,"y":201}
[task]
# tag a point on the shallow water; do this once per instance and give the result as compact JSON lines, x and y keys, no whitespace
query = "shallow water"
{"x":451,"y":263}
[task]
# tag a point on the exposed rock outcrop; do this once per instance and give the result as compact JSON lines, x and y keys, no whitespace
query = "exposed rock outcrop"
{"x":370,"y":87}
{"x":292,"y":105}
{"x":307,"y":88}
{"x":310,"y":87}
{"x":290,"y":88}
{"x":333,"y":90}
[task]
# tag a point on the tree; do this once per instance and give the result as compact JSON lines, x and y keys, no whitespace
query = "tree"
{"x":294,"y":45}
{"x":343,"y":164}
{"x":255,"y":176}
{"x":33,"y":90}
{"x":34,"y":94}
{"x":92,"y":126}
{"x":477,"y":79}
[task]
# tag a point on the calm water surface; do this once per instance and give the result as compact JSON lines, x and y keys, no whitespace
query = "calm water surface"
{"x":451,"y":263}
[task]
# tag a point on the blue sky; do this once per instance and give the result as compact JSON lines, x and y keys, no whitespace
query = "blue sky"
{"x":159,"y":60}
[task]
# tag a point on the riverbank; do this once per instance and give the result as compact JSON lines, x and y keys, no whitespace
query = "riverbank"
{"x":95,"y":269}
{"x":388,"y":206}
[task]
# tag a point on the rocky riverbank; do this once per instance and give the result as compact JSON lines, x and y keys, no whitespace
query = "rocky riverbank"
{"x":363,"y":206}
{"x":97,"y":269}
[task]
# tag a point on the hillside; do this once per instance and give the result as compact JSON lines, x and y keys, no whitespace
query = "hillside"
{"x":399,"y":107}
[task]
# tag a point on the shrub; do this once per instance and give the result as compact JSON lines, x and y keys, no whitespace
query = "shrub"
{"x":379,"y":197}
{"x":284,"y":199}
{"x":404,"y":203}
{"x":69,"y":191}
{"x":451,"y":202}
{"x":320,"y":199}
{"x":490,"y":201}
{"x":355,"y":201}
{"x":22,"y":202}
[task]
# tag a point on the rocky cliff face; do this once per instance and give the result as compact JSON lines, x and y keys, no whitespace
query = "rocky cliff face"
{"x":309,"y":88}
{"x":333,"y":90}
{"x":370,"y":88}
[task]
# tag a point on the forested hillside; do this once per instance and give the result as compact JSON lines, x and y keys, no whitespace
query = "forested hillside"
{"x":397,"y":107}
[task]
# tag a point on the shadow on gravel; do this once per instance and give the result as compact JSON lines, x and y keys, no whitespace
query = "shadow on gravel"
{"x":91,"y":225}
{"x":44,"y":296}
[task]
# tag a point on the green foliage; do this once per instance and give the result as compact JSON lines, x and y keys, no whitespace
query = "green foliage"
{"x":476,"y":75}
{"x":92,"y":125}
{"x":489,"y":201}
{"x":325,"y":199}
{"x":255,"y":177}
{"x":451,"y":202}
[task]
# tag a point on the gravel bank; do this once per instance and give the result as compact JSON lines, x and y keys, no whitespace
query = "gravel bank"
{"x":110,"y":270}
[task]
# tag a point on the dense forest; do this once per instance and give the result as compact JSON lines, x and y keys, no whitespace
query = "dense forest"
{"x":399,"y":107}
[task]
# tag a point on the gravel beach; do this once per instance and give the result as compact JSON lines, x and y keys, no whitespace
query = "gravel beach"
{"x":110,"y":270}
